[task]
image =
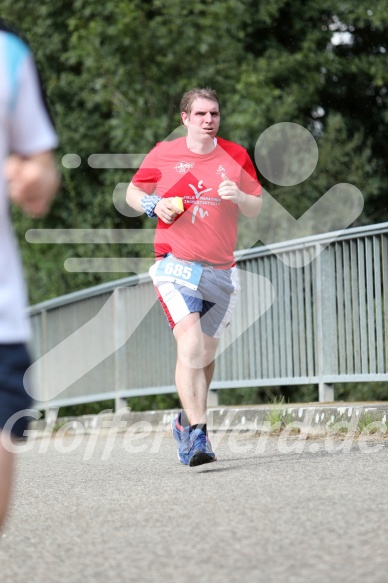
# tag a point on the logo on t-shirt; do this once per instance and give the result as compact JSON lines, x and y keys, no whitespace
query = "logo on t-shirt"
{"x":198,"y":191}
{"x":220,"y":169}
{"x":183,"y":167}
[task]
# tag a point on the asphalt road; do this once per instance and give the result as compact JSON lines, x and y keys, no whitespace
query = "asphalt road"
{"x":90,"y":509}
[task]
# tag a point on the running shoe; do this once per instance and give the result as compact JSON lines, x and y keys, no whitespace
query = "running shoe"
{"x":182,"y":436}
{"x":200,"y":449}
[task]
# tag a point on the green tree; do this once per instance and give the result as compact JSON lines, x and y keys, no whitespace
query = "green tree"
{"x":114,"y":74}
{"x":322,"y":65}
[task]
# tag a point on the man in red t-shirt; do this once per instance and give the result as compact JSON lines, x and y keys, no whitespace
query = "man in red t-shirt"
{"x":195,"y":275}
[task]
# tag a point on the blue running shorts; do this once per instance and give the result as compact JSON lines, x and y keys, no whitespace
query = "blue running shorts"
{"x":14,"y":361}
{"x":214,"y":299}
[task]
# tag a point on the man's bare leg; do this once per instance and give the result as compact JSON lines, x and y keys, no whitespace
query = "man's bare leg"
{"x":6,"y":467}
{"x":195,"y":367}
{"x":189,"y":373}
{"x":210,"y":347}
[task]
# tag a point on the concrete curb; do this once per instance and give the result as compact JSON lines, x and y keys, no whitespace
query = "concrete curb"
{"x":308,"y":418}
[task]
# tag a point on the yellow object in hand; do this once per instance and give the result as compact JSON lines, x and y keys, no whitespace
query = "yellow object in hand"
{"x":177,"y":201}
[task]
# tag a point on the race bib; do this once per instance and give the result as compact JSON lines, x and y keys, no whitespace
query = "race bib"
{"x":186,"y":273}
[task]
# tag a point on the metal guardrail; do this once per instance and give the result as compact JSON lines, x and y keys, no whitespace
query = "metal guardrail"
{"x":310,"y":312}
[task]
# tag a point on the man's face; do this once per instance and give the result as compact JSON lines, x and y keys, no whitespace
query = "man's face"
{"x":204,"y":115}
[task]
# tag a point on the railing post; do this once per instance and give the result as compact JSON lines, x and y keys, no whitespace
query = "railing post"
{"x":212,"y":398}
{"x":326,"y":392}
{"x":326,"y":333}
{"x":318,"y":322}
{"x":43,"y":381}
{"x":51,"y":415}
{"x":119,"y":323}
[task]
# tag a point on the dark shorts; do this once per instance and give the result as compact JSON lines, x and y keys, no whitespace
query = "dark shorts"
{"x":14,"y":361}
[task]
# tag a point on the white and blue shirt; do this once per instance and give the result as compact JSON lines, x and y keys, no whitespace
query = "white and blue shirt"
{"x":25,"y":129}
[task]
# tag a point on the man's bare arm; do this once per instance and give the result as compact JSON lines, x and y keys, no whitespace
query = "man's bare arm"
{"x":32,"y":181}
{"x":164,"y":209}
{"x":134,"y":196}
{"x":249,"y":205}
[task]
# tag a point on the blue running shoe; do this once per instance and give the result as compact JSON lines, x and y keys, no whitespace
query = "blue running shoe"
{"x":201,"y":450}
{"x":182,"y":436}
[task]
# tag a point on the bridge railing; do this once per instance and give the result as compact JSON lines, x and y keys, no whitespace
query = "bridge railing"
{"x":311,"y":311}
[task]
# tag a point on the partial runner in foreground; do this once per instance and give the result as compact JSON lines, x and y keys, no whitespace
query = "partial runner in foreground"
{"x":27,"y":165}
{"x":196,"y":186}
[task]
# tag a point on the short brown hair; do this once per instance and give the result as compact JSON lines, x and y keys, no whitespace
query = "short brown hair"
{"x":190,"y":96}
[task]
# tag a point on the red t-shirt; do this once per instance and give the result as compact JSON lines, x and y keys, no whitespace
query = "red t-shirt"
{"x":207,"y":229}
